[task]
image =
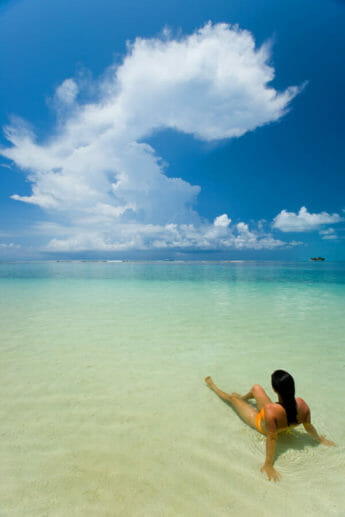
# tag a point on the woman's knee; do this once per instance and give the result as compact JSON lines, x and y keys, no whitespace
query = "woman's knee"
{"x":257,"y":389}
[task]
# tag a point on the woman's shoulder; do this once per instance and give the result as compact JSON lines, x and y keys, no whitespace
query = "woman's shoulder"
{"x":301,"y":403}
{"x":302,"y":409}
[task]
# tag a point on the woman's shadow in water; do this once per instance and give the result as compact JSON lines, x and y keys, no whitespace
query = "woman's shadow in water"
{"x":294,"y":439}
{"x":290,"y":439}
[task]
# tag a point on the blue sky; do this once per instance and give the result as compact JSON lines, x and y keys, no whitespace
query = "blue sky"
{"x":178,"y":129}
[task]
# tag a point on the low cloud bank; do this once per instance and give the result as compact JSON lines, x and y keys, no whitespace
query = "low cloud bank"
{"x":134,"y":236}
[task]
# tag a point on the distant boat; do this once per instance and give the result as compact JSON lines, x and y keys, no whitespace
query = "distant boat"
{"x":317,"y":259}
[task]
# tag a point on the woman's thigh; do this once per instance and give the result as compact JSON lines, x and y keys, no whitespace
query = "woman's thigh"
{"x":260,"y":396}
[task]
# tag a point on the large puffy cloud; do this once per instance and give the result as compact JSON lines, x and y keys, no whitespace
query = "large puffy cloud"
{"x":104,"y":185}
{"x":212,"y":84}
{"x":303,"y":221}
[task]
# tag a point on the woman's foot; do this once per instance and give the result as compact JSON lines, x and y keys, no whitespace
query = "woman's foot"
{"x":209,"y":382}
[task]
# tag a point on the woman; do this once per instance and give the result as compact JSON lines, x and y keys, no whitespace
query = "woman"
{"x":272,"y":418}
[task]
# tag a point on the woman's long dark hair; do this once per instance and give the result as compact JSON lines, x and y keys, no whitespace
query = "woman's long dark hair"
{"x":283,"y":383}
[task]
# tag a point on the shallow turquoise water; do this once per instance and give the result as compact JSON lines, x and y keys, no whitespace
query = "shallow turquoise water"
{"x":103,"y":406}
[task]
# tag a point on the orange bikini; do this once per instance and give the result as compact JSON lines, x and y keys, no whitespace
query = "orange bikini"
{"x":258,"y":420}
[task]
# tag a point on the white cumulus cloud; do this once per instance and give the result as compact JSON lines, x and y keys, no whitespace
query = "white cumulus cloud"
{"x":67,"y":92}
{"x":222,"y":220}
{"x":104,"y":186}
{"x":303,"y":221}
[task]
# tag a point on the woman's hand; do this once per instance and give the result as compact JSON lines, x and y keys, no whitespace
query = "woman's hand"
{"x":329,"y":443}
{"x":271,"y":472}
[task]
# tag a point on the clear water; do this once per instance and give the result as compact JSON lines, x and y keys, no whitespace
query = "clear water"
{"x":104,"y":410}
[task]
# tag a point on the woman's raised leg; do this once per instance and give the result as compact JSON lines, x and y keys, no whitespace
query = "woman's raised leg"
{"x":259,"y":394}
{"x":244,"y":410}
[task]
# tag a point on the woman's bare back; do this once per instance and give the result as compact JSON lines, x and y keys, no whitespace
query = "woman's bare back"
{"x":276,"y":418}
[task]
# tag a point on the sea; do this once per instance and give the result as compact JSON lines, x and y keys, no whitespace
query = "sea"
{"x":103,"y":406}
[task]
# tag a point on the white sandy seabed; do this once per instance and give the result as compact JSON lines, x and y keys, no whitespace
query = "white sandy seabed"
{"x":104,"y":411}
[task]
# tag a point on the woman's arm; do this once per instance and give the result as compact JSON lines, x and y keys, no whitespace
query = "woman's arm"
{"x":267,"y":467}
{"x":308,"y":426}
{"x":271,"y":442}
